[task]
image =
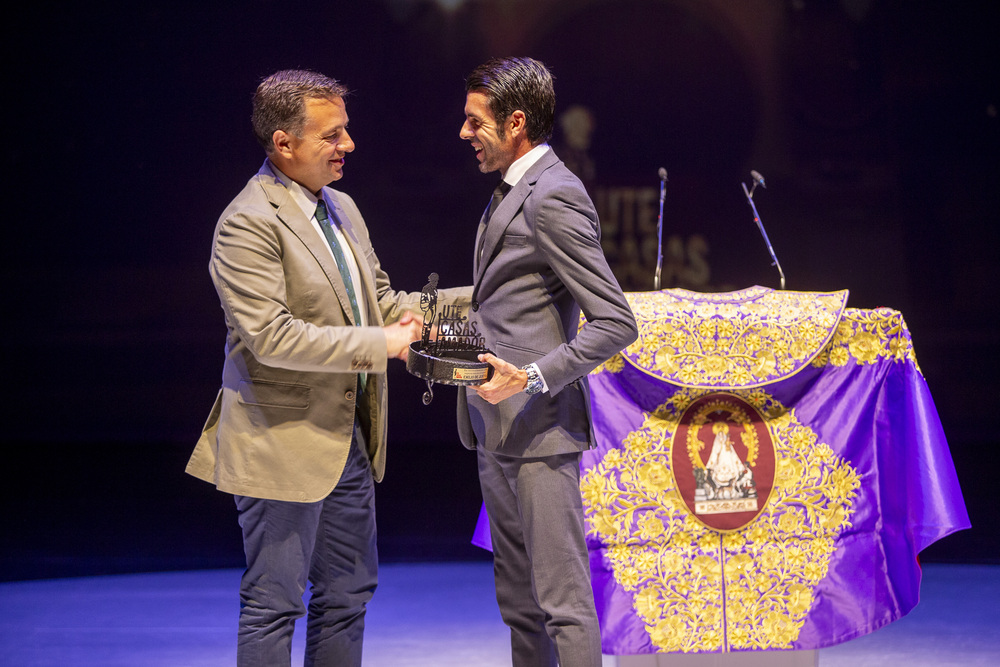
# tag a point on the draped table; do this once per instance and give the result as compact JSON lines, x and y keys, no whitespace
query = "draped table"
{"x":768,"y":465}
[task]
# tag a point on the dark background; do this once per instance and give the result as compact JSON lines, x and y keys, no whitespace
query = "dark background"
{"x":874,"y":122}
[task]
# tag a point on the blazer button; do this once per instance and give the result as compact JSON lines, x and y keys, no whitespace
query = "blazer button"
{"x":475,"y":306}
{"x":349,"y":395}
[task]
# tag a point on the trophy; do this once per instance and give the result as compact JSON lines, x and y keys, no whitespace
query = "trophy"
{"x":449,"y":346}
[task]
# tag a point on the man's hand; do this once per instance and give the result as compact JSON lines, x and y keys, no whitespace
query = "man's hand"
{"x":507,"y":380}
{"x":401,"y":333}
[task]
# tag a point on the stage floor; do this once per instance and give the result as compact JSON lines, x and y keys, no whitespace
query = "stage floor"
{"x":431,"y":614}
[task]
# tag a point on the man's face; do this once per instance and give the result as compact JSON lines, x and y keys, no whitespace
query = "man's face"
{"x":317,"y":157}
{"x":483,"y":132}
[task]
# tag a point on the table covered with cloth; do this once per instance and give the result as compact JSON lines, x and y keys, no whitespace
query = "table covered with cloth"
{"x":768,"y":465}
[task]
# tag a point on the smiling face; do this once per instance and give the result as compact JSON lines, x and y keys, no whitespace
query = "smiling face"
{"x":495,"y":144}
{"x":315,"y":157}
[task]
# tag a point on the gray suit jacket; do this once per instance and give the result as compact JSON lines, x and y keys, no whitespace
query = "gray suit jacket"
{"x":282,"y":423}
{"x":541,"y":265}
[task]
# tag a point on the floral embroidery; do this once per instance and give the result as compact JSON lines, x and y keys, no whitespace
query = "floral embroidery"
{"x":737,"y":339}
{"x":699,"y":589}
{"x":868,"y":336}
{"x":754,"y":337}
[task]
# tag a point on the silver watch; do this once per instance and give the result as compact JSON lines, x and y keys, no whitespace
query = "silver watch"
{"x":535,"y":383}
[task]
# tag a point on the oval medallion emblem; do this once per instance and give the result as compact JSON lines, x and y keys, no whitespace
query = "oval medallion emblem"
{"x":722,"y":460}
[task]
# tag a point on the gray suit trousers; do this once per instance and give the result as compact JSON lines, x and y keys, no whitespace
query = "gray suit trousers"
{"x":540,"y":558}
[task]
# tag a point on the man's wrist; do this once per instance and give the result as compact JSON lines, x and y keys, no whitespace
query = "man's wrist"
{"x":535,"y":383}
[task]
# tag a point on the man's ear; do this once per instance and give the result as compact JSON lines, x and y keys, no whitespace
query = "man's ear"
{"x":282,"y":143}
{"x":517,"y":123}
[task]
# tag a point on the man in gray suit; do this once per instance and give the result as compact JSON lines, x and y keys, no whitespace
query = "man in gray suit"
{"x":538,"y":263}
{"x":297,"y":433}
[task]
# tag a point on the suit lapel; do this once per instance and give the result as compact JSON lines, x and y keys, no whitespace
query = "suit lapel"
{"x":506,"y":213}
{"x":502,"y":217}
{"x":477,"y":254}
{"x":347,"y":224}
{"x":292,"y":217}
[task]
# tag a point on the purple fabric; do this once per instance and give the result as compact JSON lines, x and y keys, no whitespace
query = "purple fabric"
{"x":863,"y":481}
{"x":481,"y":535}
{"x":878,"y":418}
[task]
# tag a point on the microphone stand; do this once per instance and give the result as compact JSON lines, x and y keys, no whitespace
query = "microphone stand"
{"x":760,"y":226}
{"x":659,"y":230}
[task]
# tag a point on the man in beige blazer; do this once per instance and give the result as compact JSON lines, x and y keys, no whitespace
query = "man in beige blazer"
{"x":297,"y":433}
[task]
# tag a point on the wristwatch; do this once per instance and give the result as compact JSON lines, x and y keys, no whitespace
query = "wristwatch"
{"x":535,"y":383}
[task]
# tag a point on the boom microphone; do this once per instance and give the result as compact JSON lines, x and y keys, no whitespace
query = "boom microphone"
{"x":659,"y":229}
{"x":759,"y":180}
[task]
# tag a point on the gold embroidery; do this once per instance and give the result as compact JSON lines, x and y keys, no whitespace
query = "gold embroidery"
{"x":756,"y":336}
{"x":731,"y":340}
{"x":613,"y":365}
{"x":868,"y":336}
{"x":680,"y":571}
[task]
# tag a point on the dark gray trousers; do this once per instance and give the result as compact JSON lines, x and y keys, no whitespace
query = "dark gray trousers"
{"x":540,"y":559}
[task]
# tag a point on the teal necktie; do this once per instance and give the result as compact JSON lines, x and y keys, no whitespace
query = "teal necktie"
{"x":338,"y":254}
{"x":345,"y":273}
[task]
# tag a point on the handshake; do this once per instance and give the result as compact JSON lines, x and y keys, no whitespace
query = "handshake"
{"x":401,"y":333}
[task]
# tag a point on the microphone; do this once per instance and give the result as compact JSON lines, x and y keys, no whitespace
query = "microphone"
{"x":659,"y":229}
{"x":759,"y":180}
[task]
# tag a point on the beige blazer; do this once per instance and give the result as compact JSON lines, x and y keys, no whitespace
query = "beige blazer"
{"x":282,"y":423}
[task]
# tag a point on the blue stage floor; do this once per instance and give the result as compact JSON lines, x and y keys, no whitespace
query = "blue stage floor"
{"x":438,"y":614}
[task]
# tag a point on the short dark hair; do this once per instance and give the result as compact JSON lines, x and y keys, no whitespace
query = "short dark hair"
{"x":517,"y":83}
{"x":279,"y":103}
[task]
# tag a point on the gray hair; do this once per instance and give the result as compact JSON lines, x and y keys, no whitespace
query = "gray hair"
{"x":279,"y":103}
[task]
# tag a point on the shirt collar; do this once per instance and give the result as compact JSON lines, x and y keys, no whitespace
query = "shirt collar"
{"x":304,"y":199}
{"x":520,"y":166}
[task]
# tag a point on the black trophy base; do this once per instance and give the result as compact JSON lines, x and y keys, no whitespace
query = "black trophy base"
{"x":454,"y":367}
